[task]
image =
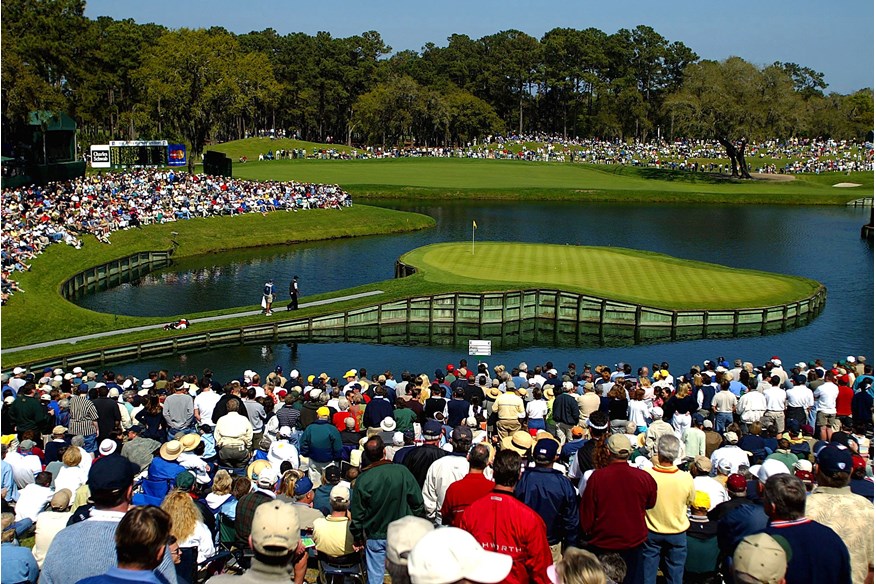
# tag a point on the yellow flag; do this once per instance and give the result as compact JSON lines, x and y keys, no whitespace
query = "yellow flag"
{"x":474,"y":224}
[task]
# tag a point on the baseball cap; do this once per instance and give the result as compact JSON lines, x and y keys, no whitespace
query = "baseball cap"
{"x":577,"y":431}
{"x":303,"y":486}
{"x":731,"y":437}
{"x":761,"y":557}
{"x":111,"y":472}
{"x":332,"y":474}
{"x":546,"y":449}
{"x":835,"y":458}
{"x":736,"y":483}
{"x":432,"y":429}
{"x":701,"y":500}
{"x":803,"y":464}
{"x":323,"y":412}
{"x":402,"y":535}
{"x":267,"y":478}
{"x":618,"y":444}
{"x":184,"y":480}
{"x":462,"y":434}
{"x":340,"y":493}
{"x":703,"y":464}
{"x":449,"y":554}
{"x":275,"y":530}
{"x":60,"y":500}
{"x":770,"y":467}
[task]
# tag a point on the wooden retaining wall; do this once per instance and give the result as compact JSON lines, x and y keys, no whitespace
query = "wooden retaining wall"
{"x":549,"y":316}
{"x":115,"y":272}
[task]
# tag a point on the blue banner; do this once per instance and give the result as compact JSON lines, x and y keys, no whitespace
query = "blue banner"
{"x":176,"y":155}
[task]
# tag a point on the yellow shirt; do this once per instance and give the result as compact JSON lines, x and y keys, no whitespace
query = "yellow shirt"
{"x":675,"y":491}
{"x":332,"y":536}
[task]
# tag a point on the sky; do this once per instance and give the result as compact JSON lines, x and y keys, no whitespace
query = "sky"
{"x":835,"y":38}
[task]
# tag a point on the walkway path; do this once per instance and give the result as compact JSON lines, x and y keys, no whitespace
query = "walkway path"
{"x":74,"y":340}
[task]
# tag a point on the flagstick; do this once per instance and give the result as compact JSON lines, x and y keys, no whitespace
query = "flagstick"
{"x":472,"y":237}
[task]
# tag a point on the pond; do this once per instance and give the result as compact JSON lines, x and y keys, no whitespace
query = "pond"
{"x":822,"y":243}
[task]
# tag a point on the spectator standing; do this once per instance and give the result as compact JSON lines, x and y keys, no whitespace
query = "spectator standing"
{"x":179,"y":411}
{"x":382,"y":493}
{"x":83,"y":418}
{"x":817,"y":552}
{"x":444,"y":472}
{"x":501,"y":523}
{"x":462,"y":493}
{"x":550,"y":494}
{"x":321,"y":443}
{"x":667,"y":520}
{"x":833,"y":504}
{"x":613,"y":507}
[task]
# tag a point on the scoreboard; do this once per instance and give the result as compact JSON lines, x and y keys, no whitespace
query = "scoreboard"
{"x":121,"y":154}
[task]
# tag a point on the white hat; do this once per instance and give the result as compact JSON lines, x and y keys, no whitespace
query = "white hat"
{"x":552,"y":371}
{"x":449,"y":554}
{"x":59,"y":378}
{"x":340,"y":492}
{"x":801,"y":365}
{"x":281,"y":451}
{"x":402,"y":535}
{"x":850,"y":359}
{"x":126,"y":384}
{"x":770,"y":467}
{"x":656,"y":412}
{"x":398,"y":439}
{"x":68,"y":376}
{"x":78,"y":370}
{"x":708,"y":424}
{"x":18,"y":370}
{"x":99,"y":384}
{"x":285,"y":431}
{"x":147,"y":384}
{"x":803,"y":464}
{"x":58,"y":371}
{"x":777,"y":362}
{"x":293,"y":374}
{"x":107,"y":447}
{"x":113,"y":392}
{"x":315,"y":393}
{"x":387,"y":424}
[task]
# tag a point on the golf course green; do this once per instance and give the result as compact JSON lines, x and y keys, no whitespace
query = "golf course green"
{"x":626,"y":275}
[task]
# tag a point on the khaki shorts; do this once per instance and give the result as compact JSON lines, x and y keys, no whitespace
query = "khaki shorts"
{"x":829,"y":420}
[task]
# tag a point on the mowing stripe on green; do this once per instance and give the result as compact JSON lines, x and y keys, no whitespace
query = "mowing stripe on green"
{"x":616,"y":273}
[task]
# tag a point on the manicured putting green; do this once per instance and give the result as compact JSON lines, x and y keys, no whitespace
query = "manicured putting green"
{"x":626,"y":275}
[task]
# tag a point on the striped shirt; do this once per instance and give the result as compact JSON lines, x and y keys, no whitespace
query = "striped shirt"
{"x":82,"y":414}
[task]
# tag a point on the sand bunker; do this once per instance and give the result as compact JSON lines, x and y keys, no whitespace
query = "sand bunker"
{"x":846,"y":185}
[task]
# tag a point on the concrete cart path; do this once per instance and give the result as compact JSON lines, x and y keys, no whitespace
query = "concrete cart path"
{"x":74,"y":340}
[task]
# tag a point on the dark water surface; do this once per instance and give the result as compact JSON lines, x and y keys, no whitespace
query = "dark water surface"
{"x":821,"y":243}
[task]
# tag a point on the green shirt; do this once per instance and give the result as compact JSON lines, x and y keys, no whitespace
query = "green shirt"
{"x":404,"y":419}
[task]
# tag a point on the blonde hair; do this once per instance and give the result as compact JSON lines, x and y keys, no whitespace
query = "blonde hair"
{"x":580,"y":567}
{"x":72,"y":456}
{"x":222,"y":482}
{"x":183,"y":514}
{"x":683,"y":390}
{"x":288,"y":482}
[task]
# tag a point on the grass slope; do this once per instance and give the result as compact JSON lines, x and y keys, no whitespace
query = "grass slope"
{"x":509,"y":179}
{"x":620,"y":274}
{"x":41,"y":314}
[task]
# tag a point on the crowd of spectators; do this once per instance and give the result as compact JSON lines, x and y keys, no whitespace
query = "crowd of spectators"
{"x":515,"y":474}
{"x":799,"y":155}
{"x":63,"y":212}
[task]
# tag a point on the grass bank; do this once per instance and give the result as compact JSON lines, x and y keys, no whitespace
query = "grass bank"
{"x":41,"y":314}
{"x":439,"y":178}
{"x":613,"y":273}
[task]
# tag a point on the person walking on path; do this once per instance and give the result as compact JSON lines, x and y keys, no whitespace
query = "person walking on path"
{"x":268,"y":297}
{"x":293,"y":294}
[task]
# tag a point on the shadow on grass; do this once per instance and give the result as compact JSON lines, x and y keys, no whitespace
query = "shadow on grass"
{"x":666,"y":175}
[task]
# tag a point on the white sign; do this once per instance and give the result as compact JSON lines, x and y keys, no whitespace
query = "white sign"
{"x":100,"y":156}
{"x":138,"y":143}
{"x":480,"y":348}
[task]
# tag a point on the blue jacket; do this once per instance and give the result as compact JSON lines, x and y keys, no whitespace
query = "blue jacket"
{"x":321,"y":442}
{"x":164,"y":469}
{"x":377,"y":409}
{"x":550,"y":494}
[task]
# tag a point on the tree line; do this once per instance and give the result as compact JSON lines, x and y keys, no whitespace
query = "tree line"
{"x":124,"y":80}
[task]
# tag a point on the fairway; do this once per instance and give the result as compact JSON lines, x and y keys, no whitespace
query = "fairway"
{"x":511,"y":179}
{"x":619,"y":274}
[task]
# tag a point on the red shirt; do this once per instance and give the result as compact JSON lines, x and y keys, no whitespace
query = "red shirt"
{"x":844,"y":400}
{"x":503,"y":524}
{"x":613,"y":506}
{"x":462,"y":493}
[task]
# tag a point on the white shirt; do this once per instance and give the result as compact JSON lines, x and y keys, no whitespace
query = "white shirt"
{"x":70,"y":477}
{"x":536,"y":409}
{"x":441,"y":473}
{"x":202,"y":539}
{"x":775,"y":399}
{"x":751,"y":407}
{"x":715,"y":490}
{"x":800,"y":396}
{"x":205,"y":403}
{"x":825,"y":397}
{"x":31,"y":500}
{"x":48,"y":524}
